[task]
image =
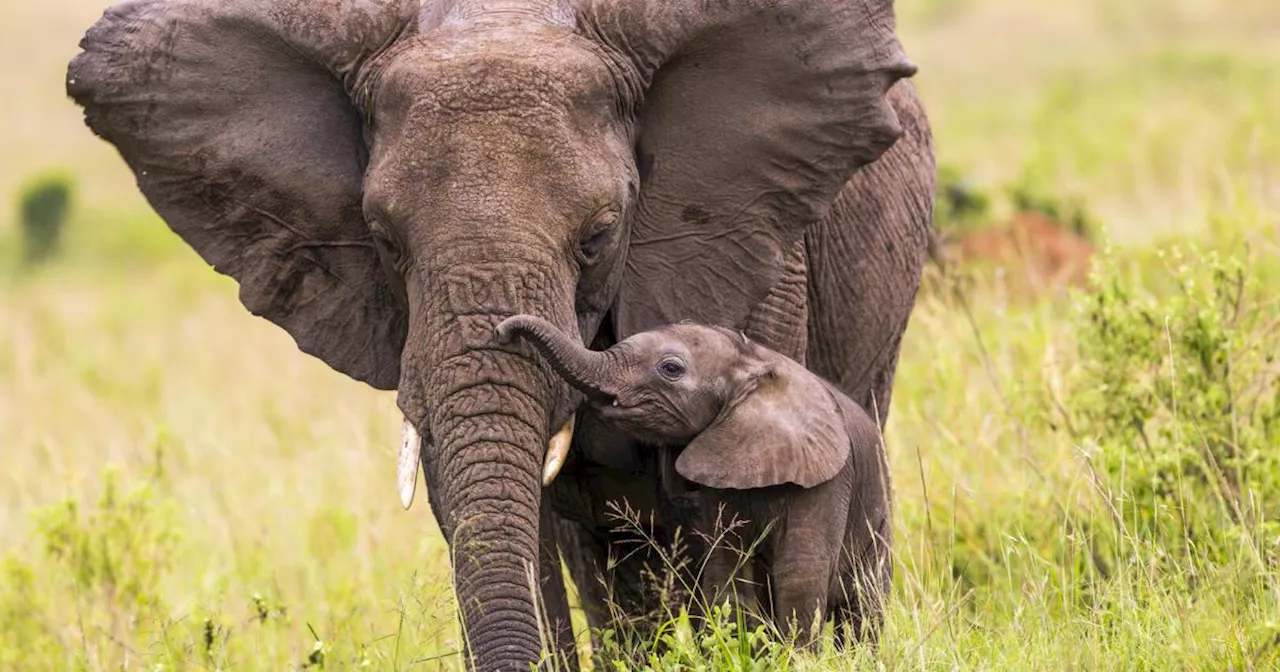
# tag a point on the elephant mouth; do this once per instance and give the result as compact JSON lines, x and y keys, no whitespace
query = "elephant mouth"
{"x":615,"y":409}
{"x":605,"y":402}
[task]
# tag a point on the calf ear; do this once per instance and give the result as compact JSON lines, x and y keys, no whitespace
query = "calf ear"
{"x":789,"y":429}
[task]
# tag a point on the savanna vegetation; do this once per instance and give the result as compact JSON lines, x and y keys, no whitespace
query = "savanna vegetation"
{"x":1085,"y":479}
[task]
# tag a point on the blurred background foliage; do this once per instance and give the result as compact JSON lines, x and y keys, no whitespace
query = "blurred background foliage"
{"x":1083,"y":435}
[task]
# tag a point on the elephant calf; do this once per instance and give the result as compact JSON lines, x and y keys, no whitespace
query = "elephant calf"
{"x":796,"y":462}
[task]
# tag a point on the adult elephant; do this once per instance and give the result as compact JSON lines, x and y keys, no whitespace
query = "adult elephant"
{"x":389,"y":179}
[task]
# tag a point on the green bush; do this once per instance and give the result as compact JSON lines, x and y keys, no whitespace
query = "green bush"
{"x":1178,"y":398}
{"x":43,"y":211}
{"x":114,"y":556}
{"x":725,"y":640}
{"x":25,"y":628}
{"x":117,"y":551}
{"x":111,"y":556}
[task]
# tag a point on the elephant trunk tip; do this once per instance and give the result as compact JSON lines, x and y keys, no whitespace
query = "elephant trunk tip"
{"x":507,"y":330}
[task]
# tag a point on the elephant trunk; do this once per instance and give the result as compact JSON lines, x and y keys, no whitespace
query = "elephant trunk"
{"x":488,"y":412}
{"x":590,"y":372}
{"x":486,"y":469}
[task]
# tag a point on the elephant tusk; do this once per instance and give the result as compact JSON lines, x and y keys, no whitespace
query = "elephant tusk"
{"x":407,"y":466}
{"x":557,"y":451}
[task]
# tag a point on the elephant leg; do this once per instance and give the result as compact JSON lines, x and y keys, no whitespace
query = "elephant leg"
{"x":865,"y":578}
{"x":806,"y":556}
{"x":716,"y":580}
{"x":584,"y":554}
{"x":643,"y":589}
{"x":865,"y":573}
{"x":801,"y":582}
{"x":607,"y":503}
{"x":865,"y":261}
{"x":724,"y":571}
{"x":555,"y":597}
{"x":615,"y":579}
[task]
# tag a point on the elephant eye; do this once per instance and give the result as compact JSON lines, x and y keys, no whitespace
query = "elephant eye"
{"x":387,"y":247}
{"x":385,"y":244}
{"x":382,"y":239}
{"x":598,"y":236}
{"x":671,"y":369}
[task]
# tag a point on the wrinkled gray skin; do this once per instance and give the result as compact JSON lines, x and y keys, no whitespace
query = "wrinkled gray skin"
{"x":388,"y":179}
{"x":781,"y":450}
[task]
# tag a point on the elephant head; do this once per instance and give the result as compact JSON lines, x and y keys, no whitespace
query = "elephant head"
{"x":751,"y":417}
{"x":388,"y":179}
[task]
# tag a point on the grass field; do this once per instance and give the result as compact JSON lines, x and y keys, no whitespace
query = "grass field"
{"x":1085,"y":482}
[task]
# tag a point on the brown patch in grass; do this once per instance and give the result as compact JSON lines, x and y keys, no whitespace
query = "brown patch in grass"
{"x":1036,"y":254}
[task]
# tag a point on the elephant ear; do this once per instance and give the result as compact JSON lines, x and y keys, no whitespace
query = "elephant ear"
{"x":789,"y":429}
{"x":238,"y":121}
{"x":755,"y":115}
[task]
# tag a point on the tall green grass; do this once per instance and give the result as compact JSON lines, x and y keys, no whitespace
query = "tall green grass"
{"x":1087,"y":483}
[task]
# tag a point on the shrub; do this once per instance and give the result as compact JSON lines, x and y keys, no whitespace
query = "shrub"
{"x":117,"y":552}
{"x":24,"y":624}
{"x":1178,"y":398}
{"x":725,"y":640}
{"x":111,"y":557}
{"x":43,"y":210}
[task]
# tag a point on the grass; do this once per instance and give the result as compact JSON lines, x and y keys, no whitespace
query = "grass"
{"x":181,"y":488}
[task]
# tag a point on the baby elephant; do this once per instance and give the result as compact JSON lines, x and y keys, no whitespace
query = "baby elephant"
{"x":772,"y":441}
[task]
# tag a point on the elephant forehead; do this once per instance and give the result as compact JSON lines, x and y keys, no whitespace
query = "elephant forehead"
{"x":697,"y":345}
{"x":522,"y":75}
{"x":704,"y":338}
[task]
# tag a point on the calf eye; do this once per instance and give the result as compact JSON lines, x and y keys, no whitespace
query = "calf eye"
{"x":671,"y":369}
